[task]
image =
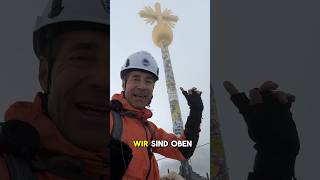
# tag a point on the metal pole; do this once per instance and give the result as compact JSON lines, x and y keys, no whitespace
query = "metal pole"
{"x":172,"y":91}
{"x":173,"y":100}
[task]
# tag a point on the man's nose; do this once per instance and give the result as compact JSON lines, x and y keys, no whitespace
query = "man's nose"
{"x":142,"y":85}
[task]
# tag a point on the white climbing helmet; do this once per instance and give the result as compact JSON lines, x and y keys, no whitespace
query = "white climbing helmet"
{"x":141,"y":60}
{"x":87,"y":12}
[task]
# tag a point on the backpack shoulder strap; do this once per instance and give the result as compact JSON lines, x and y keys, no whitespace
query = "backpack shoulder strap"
{"x":116,"y":132}
{"x":19,"y":169}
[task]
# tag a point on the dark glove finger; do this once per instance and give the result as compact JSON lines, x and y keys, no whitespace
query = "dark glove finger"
{"x":194,"y":91}
{"x":291,"y":97}
{"x":185,"y":93}
{"x":255,"y":97}
{"x":281,"y":96}
{"x":198,"y":92}
{"x":193,"y":97}
{"x":241,"y":101}
{"x":190,"y":91}
{"x":268,"y":86}
{"x":230,"y":88}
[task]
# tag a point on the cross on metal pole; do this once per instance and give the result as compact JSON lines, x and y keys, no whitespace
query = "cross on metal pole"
{"x":162,"y":37}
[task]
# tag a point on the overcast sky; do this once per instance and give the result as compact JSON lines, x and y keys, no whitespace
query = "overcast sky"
{"x":18,"y":64}
{"x":190,"y":57}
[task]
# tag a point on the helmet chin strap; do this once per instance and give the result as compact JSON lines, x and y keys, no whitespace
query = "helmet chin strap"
{"x":50,"y":64}
{"x":50,"y":59}
{"x":150,"y":101}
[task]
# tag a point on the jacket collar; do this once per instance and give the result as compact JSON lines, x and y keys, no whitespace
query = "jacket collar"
{"x":142,"y":114}
{"x":51,"y":140}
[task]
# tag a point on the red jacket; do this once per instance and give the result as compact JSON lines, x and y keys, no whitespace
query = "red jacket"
{"x":140,"y":129}
{"x":53,"y":143}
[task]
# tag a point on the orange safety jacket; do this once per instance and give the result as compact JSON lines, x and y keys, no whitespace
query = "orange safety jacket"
{"x":139,"y":128}
{"x":53,"y":144}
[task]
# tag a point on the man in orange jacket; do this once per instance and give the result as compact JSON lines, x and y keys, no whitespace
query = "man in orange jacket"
{"x":63,"y":134}
{"x":129,"y":118}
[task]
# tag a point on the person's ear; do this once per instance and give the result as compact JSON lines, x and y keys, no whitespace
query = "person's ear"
{"x":43,"y":74}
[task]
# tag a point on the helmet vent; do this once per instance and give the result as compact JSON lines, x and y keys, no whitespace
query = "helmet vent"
{"x":146,"y":62}
{"x":56,"y":8}
{"x":127,"y":63}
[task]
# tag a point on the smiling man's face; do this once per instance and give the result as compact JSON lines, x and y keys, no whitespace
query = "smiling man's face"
{"x":139,"y":88}
{"x":77,"y":102}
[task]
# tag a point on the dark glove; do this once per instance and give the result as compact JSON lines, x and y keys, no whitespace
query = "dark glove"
{"x":192,"y":126}
{"x":193,"y":97}
{"x":121,"y":155}
{"x":270,"y":125}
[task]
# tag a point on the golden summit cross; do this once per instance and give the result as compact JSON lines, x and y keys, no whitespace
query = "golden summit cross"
{"x":152,"y":16}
